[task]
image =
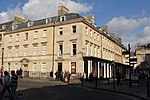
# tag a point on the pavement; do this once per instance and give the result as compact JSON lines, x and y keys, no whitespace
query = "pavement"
{"x":137,"y":90}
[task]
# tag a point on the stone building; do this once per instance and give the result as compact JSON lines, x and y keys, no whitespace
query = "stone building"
{"x":68,"y":41}
{"x":143,"y":57}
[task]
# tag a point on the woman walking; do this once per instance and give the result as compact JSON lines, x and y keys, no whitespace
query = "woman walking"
{"x":6,"y":83}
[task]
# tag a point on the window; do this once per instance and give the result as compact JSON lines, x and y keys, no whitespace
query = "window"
{"x":25,"y":50}
{"x":26,"y":36}
{"x":97,"y":37}
{"x":9,"y":51}
{"x":46,"y":21}
{"x":74,"y":51}
{"x":62,"y":18}
{"x":60,"y":31}
{"x":44,"y":33}
{"x":4,"y":27}
{"x":44,"y":67}
{"x":34,"y":67}
{"x":44,"y":49}
{"x":86,"y":30}
{"x":10,"y":38}
{"x":94,"y":35}
{"x":13,"y":27}
{"x":60,"y":50}
{"x":17,"y":51}
{"x":90,"y":33}
{"x":17,"y":37}
{"x":74,"y":29}
{"x":73,"y":67}
{"x":87,"y":49}
{"x":35,"y":34}
{"x":91,"y":50}
{"x":35,"y":49}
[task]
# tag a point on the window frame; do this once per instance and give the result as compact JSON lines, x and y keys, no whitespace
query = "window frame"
{"x":72,"y":48}
{"x":74,"y":29}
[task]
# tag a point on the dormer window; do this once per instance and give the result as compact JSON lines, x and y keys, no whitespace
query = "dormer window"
{"x":4,"y":27}
{"x":13,"y":27}
{"x":28,"y":24}
{"x":46,"y":21}
{"x":62,"y":18}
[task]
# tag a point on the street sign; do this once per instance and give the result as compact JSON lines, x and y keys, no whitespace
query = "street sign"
{"x":125,"y":52}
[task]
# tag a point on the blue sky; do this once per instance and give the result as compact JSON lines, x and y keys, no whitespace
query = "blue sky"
{"x":128,"y":19}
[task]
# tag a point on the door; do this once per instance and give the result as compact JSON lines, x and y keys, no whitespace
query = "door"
{"x":59,"y":67}
{"x":26,"y":71}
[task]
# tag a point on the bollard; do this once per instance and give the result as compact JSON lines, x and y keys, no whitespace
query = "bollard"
{"x":95,"y":81}
{"x":148,"y":88}
{"x":114,"y":82}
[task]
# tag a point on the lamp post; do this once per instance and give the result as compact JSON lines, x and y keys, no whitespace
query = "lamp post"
{"x":130,"y":84}
{"x":113,"y":67}
{"x":2,"y":67}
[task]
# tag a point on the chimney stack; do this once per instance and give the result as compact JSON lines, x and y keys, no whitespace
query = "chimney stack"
{"x":90,"y":19}
{"x":62,"y":9}
{"x":19,"y":19}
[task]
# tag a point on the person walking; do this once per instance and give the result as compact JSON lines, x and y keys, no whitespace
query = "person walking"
{"x":51,"y":76}
{"x":6,"y":83}
{"x":21,"y":73}
{"x":13,"y":86}
{"x":118,"y":76}
{"x":1,"y":86}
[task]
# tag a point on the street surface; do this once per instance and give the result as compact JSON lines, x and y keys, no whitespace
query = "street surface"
{"x":33,"y":89}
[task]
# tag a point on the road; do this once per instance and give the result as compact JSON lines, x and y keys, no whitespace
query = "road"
{"x":31,"y":89}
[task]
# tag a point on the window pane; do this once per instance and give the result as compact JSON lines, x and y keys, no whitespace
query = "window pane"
{"x":74,"y":48}
{"x":44,"y":33}
{"x":35,"y":34}
{"x":74,"y":29}
{"x":44,"y":49}
{"x":43,"y":67}
{"x":26,"y":50}
{"x":17,"y":51}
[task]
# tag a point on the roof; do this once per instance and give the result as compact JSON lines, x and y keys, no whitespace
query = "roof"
{"x":55,"y":19}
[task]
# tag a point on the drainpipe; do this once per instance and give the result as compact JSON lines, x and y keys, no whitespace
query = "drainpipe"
{"x":53,"y":48}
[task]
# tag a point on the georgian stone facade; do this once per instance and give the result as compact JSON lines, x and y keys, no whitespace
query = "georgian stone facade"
{"x":58,"y":43}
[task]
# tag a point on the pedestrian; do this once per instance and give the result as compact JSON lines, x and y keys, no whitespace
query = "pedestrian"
{"x":61,"y":76}
{"x":91,"y":77}
{"x":18,"y":72}
{"x":51,"y":76}
{"x":13,"y":86}
{"x":56,"y":75}
{"x":6,"y":84}
{"x":68,"y":76}
{"x":1,"y":86}
{"x":118,"y":76}
{"x":2,"y":71}
{"x":21,"y":73}
{"x":82,"y":78}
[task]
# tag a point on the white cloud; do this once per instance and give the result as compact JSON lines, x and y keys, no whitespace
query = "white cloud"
{"x":121,"y":24}
{"x":37,"y":9}
{"x":131,"y":30}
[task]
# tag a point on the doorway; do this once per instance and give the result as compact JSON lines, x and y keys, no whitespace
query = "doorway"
{"x":59,"y":67}
{"x":26,"y":71}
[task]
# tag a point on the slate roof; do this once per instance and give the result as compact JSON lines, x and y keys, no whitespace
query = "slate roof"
{"x":55,"y":19}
